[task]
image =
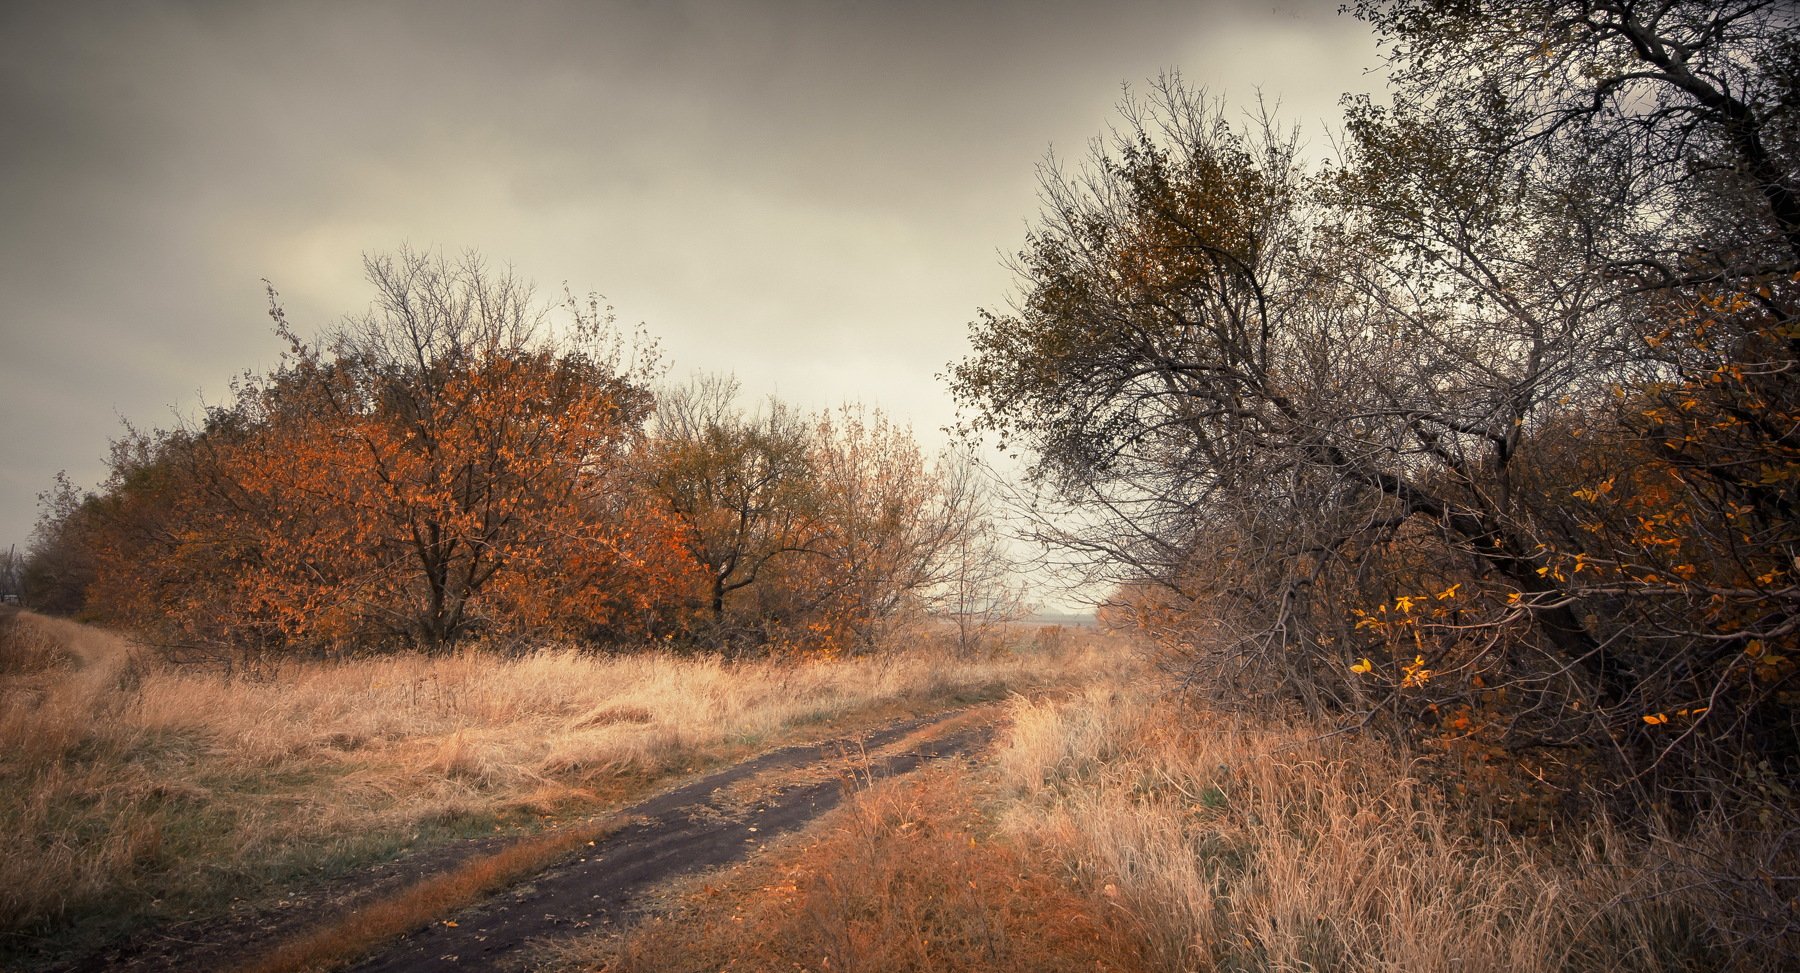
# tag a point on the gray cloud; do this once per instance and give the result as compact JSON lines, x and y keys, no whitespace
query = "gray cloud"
{"x":814,"y":195}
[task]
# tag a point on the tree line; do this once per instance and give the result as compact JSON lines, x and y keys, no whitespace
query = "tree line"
{"x":449,"y":466}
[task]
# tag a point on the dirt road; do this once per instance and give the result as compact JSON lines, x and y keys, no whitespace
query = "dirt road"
{"x":708,"y":823}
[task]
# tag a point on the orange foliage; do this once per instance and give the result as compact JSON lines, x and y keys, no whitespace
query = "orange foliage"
{"x":495,"y":503}
{"x":433,"y":471}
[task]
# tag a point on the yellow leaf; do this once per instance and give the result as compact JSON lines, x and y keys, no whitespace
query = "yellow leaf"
{"x":1364,"y":666}
{"x":1656,"y":718}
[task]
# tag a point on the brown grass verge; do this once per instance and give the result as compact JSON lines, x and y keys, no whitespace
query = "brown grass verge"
{"x":1249,"y":845}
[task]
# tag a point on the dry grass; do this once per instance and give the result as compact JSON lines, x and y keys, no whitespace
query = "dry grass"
{"x":909,"y":877}
{"x":134,"y":788}
{"x":1244,"y":846}
{"x":1113,"y":829}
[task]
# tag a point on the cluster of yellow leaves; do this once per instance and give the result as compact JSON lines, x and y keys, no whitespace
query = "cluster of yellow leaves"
{"x":1408,"y":615}
{"x":1412,"y":674}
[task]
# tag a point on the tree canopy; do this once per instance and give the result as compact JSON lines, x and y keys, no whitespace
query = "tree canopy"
{"x":1483,"y":430}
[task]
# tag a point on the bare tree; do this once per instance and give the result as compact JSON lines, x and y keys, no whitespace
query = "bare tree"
{"x":12,"y":576}
{"x":979,"y":589}
{"x":1380,"y":417}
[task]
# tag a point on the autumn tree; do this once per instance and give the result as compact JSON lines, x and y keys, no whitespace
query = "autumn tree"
{"x":894,"y":524}
{"x":742,"y":483}
{"x":816,"y":533}
{"x":1484,"y":428}
{"x":440,"y":466}
{"x":1662,"y":137}
{"x":1201,"y":382}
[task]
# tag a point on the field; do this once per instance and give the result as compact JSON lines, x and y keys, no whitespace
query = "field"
{"x":1108,"y":826}
{"x":139,"y":794}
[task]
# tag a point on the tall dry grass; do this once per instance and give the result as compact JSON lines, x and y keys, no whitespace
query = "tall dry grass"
{"x":1243,"y":845}
{"x":131,"y":786}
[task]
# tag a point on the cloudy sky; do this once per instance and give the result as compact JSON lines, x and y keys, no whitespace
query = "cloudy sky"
{"x":815,"y":196}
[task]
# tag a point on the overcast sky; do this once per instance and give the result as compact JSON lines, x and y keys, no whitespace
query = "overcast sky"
{"x":816,"y":196}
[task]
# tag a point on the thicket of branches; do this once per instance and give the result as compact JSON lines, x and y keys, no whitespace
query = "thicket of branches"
{"x":1486,"y":432}
{"x":834,"y":526}
{"x":446,"y":466}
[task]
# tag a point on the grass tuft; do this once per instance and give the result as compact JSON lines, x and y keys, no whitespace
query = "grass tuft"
{"x":1245,"y":845}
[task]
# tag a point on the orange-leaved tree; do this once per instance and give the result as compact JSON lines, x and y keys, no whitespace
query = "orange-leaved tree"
{"x":439,"y":467}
